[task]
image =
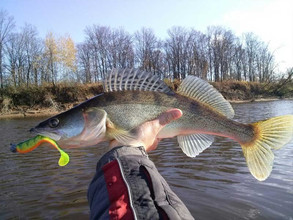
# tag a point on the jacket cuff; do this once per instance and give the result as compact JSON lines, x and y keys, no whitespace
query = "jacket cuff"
{"x":117,"y":152}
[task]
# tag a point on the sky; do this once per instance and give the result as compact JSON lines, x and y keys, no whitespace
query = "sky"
{"x":270,"y":20}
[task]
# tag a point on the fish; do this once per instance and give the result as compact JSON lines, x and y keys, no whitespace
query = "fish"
{"x":132,"y":97}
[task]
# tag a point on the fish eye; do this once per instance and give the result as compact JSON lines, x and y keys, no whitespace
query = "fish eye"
{"x":53,"y":123}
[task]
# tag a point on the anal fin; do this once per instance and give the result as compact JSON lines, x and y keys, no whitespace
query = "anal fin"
{"x":192,"y":145}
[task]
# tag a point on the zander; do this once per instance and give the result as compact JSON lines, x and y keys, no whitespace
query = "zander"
{"x":132,"y":97}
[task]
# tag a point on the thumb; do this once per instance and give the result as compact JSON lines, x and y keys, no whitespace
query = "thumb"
{"x":169,"y":116}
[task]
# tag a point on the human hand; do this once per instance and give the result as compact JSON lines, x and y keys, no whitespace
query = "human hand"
{"x":148,"y":131}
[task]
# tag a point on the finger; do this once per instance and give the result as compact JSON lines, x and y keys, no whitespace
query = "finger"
{"x":169,"y":116}
{"x":153,"y":146}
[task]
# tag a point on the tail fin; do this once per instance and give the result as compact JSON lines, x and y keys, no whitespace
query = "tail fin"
{"x":270,"y":134}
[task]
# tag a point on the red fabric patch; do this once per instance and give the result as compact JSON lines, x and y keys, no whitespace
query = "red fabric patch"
{"x":117,"y":191}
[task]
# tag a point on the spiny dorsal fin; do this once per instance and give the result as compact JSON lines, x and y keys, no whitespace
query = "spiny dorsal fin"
{"x":130,"y":79}
{"x":201,"y":91}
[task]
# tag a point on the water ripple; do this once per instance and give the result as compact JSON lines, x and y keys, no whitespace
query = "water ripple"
{"x":214,"y":185}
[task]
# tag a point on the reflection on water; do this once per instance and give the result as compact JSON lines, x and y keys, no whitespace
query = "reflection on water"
{"x":214,"y":185}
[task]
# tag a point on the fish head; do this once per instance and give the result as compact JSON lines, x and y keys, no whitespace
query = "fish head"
{"x":62,"y":126}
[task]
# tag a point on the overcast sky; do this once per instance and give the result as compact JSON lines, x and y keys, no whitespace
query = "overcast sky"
{"x":271,"y":20}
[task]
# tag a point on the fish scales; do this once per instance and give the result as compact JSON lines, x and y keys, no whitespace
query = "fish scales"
{"x":143,"y":106}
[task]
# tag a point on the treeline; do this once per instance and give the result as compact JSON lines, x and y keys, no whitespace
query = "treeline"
{"x":216,"y":55}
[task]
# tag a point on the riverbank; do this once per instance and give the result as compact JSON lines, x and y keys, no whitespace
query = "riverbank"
{"x":50,"y":100}
{"x":44,"y":101}
{"x":48,"y":112}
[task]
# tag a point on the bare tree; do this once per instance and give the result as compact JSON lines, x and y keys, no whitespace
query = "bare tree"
{"x":98,"y":39}
{"x":196,"y":49}
{"x":265,"y":63}
{"x":216,"y":55}
{"x":146,"y":45}
{"x":221,"y":45}
{"x":14,"y":49}
{"x":121,"y":50}
{"x":176,"y":51}
{"x":32,"y":53}
{"x":251,"y":48}
{"x":85,"y":62}
{"x":6,"y":26}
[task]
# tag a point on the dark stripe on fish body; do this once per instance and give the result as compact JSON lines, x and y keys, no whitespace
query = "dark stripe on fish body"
{"x":134,"y":97}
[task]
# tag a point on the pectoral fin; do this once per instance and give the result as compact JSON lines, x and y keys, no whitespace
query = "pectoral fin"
{"x":193,"y":145}
{"x":124,"y":137}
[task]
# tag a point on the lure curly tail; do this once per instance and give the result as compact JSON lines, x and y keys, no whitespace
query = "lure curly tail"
{"x":33,"y":143}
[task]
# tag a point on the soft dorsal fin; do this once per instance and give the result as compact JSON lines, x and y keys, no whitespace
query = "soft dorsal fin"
{"x":130,"y":79}
{"x":201,"y":91}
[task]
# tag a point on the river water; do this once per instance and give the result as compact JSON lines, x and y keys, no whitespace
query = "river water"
{"x":214,"y":185}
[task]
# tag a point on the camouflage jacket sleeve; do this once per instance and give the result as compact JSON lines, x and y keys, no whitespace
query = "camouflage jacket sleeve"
{"x":127,"y":185}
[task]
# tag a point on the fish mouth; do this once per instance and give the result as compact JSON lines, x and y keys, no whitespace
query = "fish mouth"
{"x":53,"y":135}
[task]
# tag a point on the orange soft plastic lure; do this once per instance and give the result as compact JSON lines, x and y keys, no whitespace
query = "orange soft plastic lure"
{"x":33,"y":143}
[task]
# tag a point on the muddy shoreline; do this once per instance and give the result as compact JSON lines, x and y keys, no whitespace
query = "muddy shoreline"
{"x":52,"y":99}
